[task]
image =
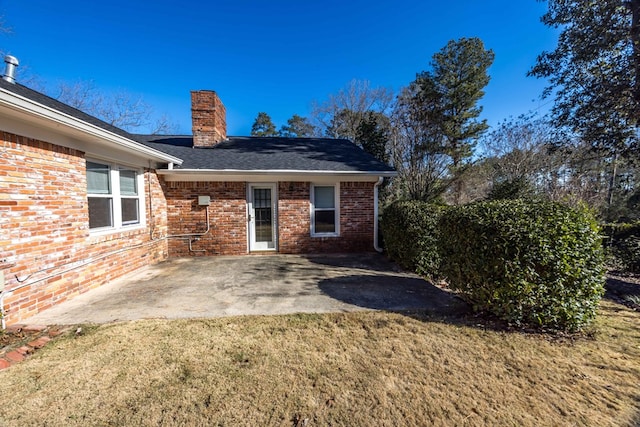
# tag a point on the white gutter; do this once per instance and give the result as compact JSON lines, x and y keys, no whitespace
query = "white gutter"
{"x":273,"y":172}
{"x":36,"y":110}
{"x":375,"y":215}
{"x":266,"y":175}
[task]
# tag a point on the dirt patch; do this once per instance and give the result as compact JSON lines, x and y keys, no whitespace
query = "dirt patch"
{"x":12,"y":339}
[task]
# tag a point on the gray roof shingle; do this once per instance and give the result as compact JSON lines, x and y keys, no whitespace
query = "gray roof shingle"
{"x":273,"y":153}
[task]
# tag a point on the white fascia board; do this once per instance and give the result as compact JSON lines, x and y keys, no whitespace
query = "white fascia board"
{"x":271,"y":175}
{"x":31,"y":111}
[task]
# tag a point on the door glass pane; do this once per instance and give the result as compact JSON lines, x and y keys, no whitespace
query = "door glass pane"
{"x":262,"y":214}
{"x":98,"y":178}
{"x":324,"y":197}
{"x":100,"y":214}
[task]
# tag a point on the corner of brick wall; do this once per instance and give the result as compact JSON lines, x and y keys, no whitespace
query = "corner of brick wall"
{"x":48,"y":255}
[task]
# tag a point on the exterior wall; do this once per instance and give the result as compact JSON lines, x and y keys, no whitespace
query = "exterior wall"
{"x":356,"y":219}
{"x":47,"y":254}
{"x":227,"y":218}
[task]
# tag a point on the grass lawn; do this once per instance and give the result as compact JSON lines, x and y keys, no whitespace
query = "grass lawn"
{"x":365,"y":368}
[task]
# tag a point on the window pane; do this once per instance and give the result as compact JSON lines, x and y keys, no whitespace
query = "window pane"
{"x":261,"y":197}
{"x":128,"y":184}
{"x":98,"y":178}
{"x":130,"y":211}
{"x":100,"y":212}
{"x":325,"y":221}
{"x":324,"y":197}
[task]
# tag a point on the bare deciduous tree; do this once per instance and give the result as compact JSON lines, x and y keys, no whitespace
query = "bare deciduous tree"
{"x":120,"y":109}
{"x":417,"y":155}
{"x":518,"y":147}
{"x":341,"y":114}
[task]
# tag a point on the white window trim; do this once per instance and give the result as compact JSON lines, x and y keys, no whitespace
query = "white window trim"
{"x":114,"y":177}
{"x":336,"y":195}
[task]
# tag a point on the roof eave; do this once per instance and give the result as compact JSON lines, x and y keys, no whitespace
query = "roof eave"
{"x":269,"y":174}
{"x":36,"y":111}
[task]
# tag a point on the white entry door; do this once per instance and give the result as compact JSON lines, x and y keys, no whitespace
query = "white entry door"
{"x":262,"y":202}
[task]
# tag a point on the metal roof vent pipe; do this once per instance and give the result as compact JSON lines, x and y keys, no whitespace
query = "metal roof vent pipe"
{"x":10,"y":70}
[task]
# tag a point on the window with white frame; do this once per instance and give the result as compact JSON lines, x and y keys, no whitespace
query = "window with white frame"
{"x":325,"y":209}
{"x":114,"y":196}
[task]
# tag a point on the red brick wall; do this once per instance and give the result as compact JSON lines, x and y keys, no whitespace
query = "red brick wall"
{"x":227,"y":217}
{"x":356,"y":219}
{"x":45,"y":246}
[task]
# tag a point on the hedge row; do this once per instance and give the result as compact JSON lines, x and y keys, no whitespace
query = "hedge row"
{"x":622,"y":242}
{"x":411,"y":236}
{"x":531,"y":263}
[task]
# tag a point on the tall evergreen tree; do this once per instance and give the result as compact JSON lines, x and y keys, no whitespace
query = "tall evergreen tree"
{"x":297,"y":127}
{"x":373,"y":135}
{"x":455,"y":83}
{"x":595,"y":71}
{"x":263,"y":126}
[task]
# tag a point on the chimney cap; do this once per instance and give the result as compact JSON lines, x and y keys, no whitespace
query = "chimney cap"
{"x":10,"y":70}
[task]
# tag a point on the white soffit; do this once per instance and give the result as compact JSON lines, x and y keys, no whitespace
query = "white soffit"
{"x":22,"y":116}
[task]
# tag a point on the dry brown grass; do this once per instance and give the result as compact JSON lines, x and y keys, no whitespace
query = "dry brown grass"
{"x":367,"y":368}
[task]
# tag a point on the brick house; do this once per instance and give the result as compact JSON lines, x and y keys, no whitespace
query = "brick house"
{"x":83,"y":202}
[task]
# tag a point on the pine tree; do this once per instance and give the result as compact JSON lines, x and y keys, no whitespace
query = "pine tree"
{"x":454,"y":85}
{"x":297,"y":127}
{"x":263,"y":126}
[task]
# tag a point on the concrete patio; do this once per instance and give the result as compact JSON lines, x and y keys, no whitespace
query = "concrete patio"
{"x":253,"y":285}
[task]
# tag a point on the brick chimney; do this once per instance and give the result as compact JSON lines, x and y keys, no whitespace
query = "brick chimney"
{"x":208,"y":118}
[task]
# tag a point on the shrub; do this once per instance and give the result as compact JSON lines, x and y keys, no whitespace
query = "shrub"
{"x":517,"y":188}
{"x":410,"y":235}
{"x":623,"y":245}
{"x":531,"y":263}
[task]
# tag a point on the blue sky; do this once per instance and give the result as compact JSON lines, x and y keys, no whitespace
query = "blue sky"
{"x":276,"y":56}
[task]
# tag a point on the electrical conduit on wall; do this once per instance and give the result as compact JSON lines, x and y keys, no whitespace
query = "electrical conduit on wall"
{"x":82,"y":263}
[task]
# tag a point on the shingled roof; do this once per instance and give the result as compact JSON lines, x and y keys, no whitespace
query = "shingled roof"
{"x":235,"y":153}
{"x":272,"y":153}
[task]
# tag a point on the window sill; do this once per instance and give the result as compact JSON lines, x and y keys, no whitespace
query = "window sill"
{"x":115,"y":233}
{"x":319,"y":235}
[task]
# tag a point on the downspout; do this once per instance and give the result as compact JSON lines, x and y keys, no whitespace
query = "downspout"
{"x":152,"y":223}
{"x":375,"y":214}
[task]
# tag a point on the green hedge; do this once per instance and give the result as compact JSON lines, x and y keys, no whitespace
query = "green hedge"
{"x":622,"y":242}
{"x":531,"y":263}
{"x":410,"y":235}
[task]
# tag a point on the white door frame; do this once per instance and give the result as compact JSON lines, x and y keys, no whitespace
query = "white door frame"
{"x":251,"y":223}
